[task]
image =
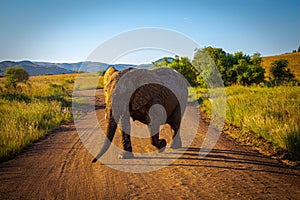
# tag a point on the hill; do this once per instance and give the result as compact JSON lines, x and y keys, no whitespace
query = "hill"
{"x":293,"y":58}
{"x":82,"y":66}
{"x":33,"y":68}
{"x":41,"y":68}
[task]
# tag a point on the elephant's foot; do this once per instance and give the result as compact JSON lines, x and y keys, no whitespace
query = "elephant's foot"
{"x":161,"y":145}
{"x":126,"y":155}
{"x":176,"y":144}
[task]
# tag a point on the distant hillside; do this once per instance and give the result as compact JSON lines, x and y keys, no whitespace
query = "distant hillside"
{"x":293,"y":58}
{"x":33,"y":68}
{"x":40,"y":68}
{"x":82,"y":66}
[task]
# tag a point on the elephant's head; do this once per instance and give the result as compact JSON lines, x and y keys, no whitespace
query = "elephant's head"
{"x":110,"y":80}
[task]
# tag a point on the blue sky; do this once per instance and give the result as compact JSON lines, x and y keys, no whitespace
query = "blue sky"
{"x":68,"y":31}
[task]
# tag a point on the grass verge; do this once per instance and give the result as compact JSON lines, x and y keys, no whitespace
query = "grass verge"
{"x":32,"y":110}
{"x":22,"y":123}
{"x":269,"y":114}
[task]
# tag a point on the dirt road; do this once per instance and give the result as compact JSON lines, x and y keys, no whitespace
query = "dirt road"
{"x":60,"y":167}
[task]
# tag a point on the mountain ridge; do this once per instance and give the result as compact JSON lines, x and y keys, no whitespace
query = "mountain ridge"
{"x":42,"y":68}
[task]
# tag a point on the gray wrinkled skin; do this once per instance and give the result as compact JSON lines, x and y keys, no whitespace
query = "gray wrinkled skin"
{"x":153,"y":97}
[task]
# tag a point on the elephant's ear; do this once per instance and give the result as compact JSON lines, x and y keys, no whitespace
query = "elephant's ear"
{"x":108,"y":74}
{"x":144,"y":94}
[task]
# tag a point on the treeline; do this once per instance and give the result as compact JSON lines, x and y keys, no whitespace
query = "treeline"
{"x":234,"y":68}
{"x":294,"y":51}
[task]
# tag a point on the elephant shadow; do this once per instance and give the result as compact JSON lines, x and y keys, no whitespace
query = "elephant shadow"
{"x":237,"y":160}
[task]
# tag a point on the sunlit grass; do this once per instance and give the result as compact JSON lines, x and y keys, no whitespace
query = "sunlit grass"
{"x":22,"y":123}
{"x":88,"y":81}
{"x":32,"y":110}
{"x":268,"y":113}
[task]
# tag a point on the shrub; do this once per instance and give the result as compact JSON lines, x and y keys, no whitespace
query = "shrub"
{"x":14,"y":75}
{"x":17,"y":73}
{"x":280,"y":72}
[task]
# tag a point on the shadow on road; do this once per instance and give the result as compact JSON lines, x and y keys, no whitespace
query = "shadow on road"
{"x":225,"y":159}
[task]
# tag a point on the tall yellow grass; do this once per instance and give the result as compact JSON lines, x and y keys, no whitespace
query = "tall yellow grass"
{"x":22,"y":123}
{"x":32,"y":110}
{"x":269,"y":113}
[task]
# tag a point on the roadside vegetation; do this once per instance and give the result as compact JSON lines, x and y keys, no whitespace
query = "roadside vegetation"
{"x":262,"y":108}
{"x":270,"y":114}
{"x":31,"y":108}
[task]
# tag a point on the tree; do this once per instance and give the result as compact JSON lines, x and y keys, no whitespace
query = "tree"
{"x":280,"y":72}
{"x":256,"y":59}
{"x":181,"y":65}
{"x":237,"y":68}
{"x":18,"y":73}
{"x":299,"y":49}
{"x":221,"y":59}
{"x":247,"y":74}
{"x":14,"y":75}
{"x":184,"y":67}
{"x":163,"y":63}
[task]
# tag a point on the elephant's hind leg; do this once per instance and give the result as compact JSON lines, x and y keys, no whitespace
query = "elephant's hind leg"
{"x":155,"y":141}
{"x":160,"y":144}
{"x":124,"y":129}
{"x":175,"y":125}
{"x":176,"y":142}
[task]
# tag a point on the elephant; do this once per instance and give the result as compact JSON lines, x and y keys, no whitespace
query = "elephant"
{"x":155,"y":91}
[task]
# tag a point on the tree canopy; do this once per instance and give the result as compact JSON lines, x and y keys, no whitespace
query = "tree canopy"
{"x":234,"y":68}
{"x":237,"y":68}
{"x":280,"y":72}
{"x":14,"y":75}
{"x":182,"y":65}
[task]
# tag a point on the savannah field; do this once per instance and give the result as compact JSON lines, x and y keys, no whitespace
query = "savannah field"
{"x":39,"y":106}
{"x":33,"y":110}
{"x":263,"y":116}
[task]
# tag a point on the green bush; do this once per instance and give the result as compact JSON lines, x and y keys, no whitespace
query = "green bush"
{"x":14,"y":75}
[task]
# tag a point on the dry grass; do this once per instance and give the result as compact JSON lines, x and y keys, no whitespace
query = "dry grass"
{"x":32,"y":110}
{"x":22,"y":123}
{"x":272,"y":114}
{"x":293,"y":58}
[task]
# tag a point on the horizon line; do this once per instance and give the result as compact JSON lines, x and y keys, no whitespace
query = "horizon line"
{"x":124,"y":63}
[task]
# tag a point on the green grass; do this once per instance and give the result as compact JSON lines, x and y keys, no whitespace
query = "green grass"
{"x":269,"y":113}
{"x":32,"y":110}
{"x":22,"y":123}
